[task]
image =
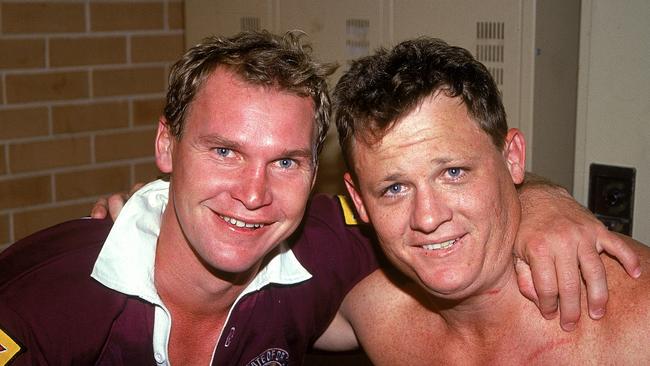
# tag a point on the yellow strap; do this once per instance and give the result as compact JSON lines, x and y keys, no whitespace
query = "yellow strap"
{"x":348,"y":213}
{"x":8,"y":348}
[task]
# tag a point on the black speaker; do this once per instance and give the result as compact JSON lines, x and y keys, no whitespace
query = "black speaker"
{"x":611,"y":196}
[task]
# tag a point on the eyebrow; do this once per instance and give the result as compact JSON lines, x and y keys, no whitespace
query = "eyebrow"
{"x":398,"y":176}
{"x":391,"y":177}
{"x":298,"y":153}
{"x":216,"y":140}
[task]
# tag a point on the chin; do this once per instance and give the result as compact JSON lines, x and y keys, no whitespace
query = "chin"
{"x":237,"y":273}
{"x":449,"y":284}
{"x":232,"y":262}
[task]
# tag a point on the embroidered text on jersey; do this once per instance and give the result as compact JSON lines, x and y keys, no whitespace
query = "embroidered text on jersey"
{"x":271,"y":357}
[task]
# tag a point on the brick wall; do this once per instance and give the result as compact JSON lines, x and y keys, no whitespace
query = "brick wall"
{"x":82,"y":84}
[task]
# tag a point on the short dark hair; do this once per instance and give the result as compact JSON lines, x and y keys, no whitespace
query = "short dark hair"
{"x":259,"y":58}
{"x":381,"y":88}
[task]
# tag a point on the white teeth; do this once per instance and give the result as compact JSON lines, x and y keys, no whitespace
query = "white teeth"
{"x":239,"y":223}
{"x":443,"y":245}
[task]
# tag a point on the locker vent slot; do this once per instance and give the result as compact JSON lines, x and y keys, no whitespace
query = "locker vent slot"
{"x":490,"y":48}
{"x":249,"y":24}
{"x":357,"y":43}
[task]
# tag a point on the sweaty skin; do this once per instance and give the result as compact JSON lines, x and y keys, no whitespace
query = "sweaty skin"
{"x":397,"y":324}
{"x":442,"y":199}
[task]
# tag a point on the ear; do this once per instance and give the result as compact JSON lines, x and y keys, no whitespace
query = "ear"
{"x":514,"y":153}
{"x":356,"y":197}
{"x":164,"y":146}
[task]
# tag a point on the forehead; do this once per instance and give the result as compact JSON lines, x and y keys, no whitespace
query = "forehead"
{"x":227,"y":105}
{"x":226,"y":91}
{"x":224,"y":84}
{"x":438,"y":119}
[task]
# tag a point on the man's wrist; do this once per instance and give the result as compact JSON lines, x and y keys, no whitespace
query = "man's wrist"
{"x":536,"y":189}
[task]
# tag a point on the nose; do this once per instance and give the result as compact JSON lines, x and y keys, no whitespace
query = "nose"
{"x":252,"y":188}
{"x":430,"y":210}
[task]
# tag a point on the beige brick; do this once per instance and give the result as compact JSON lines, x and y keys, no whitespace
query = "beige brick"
{"x":132,"y":16}
{"x":92,"y":182}
{"x":90,"y":117}
{"x":42,"y":17}
{"x":4,"y":229}
{"x":146,"y":172}
{"x":29,"y":222}
{"x":32,"y":156}
{"x":129,"y":81}
{"x":156,"y":48}
{"x":124,"y":145}
{"x":3,"y":164}
{"x":22,"y":53}
{"x":22,"y":192}
{"x":23,"y":122}
{"x":46,"y":86}
{"x":147,"y":112}
{"x":176,"y":16}
{"x":87,"y":51}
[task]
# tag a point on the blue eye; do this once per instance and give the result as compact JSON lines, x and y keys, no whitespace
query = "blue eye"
{"x":454,"y":172}
{"x":222,"y":151}
{"x":286,"y":163}
{"x":394,"y":189}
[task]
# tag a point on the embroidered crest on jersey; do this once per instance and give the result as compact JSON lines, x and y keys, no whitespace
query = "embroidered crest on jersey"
{"x":348,"y":212}
{"x":271,"y":357}
{"x":8,"y":348}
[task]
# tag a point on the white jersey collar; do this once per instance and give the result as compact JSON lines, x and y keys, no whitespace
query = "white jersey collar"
{"x":126,"y":261}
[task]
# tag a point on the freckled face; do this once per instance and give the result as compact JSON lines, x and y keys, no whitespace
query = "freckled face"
{"x":241,"y":173}
{"x":441,"y":198}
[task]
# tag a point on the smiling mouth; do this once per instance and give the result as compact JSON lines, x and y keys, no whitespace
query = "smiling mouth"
{"x":443,"y":245}
{"x":233,"y":221}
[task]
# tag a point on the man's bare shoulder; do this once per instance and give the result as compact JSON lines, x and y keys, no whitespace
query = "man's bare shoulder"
{"x":366,"y":293}
{"x":628,"y":318}
{"x":387,"y":302}
{"x":622,"y":285}
{"x":385,"y":286}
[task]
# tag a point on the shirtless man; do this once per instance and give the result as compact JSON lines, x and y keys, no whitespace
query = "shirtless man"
{"x":434,"y":168}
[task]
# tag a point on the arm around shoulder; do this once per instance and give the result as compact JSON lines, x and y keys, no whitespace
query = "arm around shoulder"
{"x":560,"y":241}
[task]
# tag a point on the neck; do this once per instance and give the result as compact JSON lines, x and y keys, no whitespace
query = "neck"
{"x":488,"y":310}
{"x":186,"y":283}
{"x":496,"y":300}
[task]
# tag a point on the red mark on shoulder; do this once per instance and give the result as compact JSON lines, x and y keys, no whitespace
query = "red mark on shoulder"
{"x":548,"y":347}
{"x":493,"y":291}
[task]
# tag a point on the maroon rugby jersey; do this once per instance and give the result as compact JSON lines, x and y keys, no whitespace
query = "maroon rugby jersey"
{"x":57,"y":314}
